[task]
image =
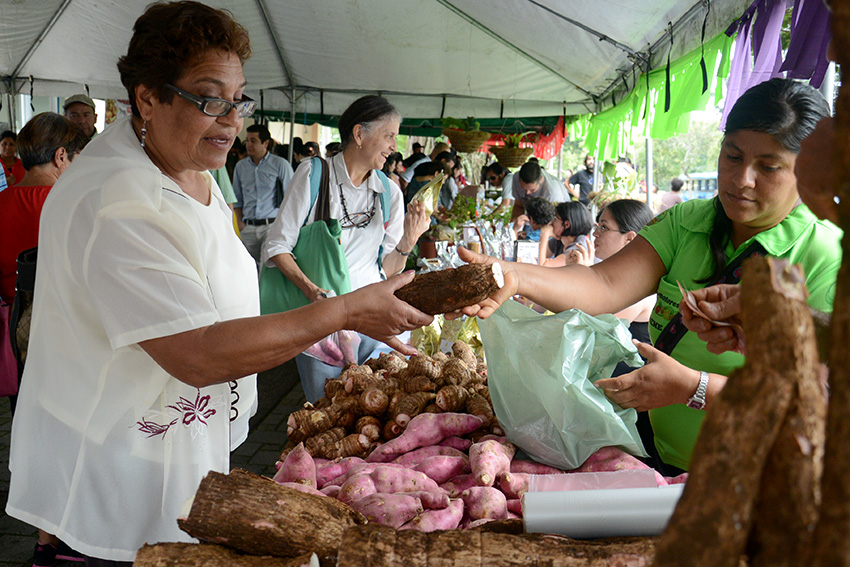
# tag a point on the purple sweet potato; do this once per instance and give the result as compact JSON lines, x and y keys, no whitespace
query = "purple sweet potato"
{"x":609,"y":459}
{"x":391,"y":480}
{"x":489,"y":459}
{"x":334,"y":469}
{"x":432,"y":520}
{"x":515,"y":506}
{"x":356,"y":488}
{"x":458,"y":443}
{"x":389,"y":509}
{"x":485,"y":502}
{"x":431,"y":500}
{"x":443,"y":468}
{"x":298,"y":467}
{"x":332,"y":491}
{"x":458,"y":484}
{"x":532,"y":467}
{"x":513,"y":485}
{"x":358,"y":469}
{"x":413,"y":458}
{"x":423,"y":430}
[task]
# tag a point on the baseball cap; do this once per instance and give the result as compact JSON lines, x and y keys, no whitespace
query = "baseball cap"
{"x":416,"y":145}
{"x":78,"y":98}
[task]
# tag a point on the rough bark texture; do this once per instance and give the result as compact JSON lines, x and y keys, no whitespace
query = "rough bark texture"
{"x":449,"y":290}
{"x":832,"y":544}
{"x":256,"y":515}
{"x":208,"y":555}
{"x":380,"y":546}
{"x":711,"y":524}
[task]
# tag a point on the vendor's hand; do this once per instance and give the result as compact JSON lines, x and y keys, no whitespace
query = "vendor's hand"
{"x":582,"y":255}
{"x":416,"y":221}
{"x":489,"y":305}
{"x":720,"y":302}
{"x":375,"y":311}
{"x":661,"y":382}
{"x":816,"y":172}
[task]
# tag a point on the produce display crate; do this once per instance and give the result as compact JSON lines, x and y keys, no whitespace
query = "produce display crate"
{"x":511,"y":157}
{"x":466,"y":140}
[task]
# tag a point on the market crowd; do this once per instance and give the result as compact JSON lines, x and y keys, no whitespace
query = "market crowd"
{"x":155,"y":237}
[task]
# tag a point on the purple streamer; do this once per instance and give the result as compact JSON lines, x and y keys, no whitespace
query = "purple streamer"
{"x":811,"y":31}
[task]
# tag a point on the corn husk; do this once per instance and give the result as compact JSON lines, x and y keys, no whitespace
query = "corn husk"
{"x":429,"y":195}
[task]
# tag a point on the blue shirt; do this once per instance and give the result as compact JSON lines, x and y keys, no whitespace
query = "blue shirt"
{"x":253,"y":185}
{"x":3,"y":183}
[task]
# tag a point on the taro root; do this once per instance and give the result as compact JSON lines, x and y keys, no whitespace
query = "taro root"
{"x":449,"y":290}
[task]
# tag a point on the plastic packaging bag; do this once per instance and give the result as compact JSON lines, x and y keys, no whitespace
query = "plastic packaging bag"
{"x":541,"y":371}
{"x":337,"y":349}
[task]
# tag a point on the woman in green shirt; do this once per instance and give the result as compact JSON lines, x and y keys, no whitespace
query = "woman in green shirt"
{"x":692,"y":244}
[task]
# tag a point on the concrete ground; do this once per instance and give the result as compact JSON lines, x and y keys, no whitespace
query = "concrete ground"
{"x":280,"y":394}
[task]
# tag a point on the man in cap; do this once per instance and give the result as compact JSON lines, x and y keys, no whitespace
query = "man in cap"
{"x":80,"y":110}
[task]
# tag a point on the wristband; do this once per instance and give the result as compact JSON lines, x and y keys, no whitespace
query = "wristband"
{"x":402,"y":253}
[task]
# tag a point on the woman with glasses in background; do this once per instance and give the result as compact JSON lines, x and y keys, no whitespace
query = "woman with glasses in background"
{"x":146,"y":335}
{"x":373,"y":248}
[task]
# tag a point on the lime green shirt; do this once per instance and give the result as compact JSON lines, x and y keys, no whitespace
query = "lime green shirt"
{"x":680,"y":237}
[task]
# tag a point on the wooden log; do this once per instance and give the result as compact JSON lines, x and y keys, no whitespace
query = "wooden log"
{"x":831,"y":545}
{"x":711,"y":524}
{"x":451,"y":289}
{"x":256,"y":515}
{"x":381,"y":546}
{"x":208,"y":555}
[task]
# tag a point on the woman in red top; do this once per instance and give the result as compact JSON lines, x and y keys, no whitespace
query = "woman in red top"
{"x":12,"y":166}
{"x":47,"y":145}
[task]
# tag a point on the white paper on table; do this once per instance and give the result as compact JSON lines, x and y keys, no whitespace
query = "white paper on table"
{"x":615,"y":512}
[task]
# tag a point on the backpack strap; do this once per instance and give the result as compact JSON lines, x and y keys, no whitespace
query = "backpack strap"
{"x":386,"y":196}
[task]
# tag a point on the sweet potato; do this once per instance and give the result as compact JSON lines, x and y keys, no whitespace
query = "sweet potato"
{"x":392,"y":480}
{"x":361,"y":468}
{"x":484,"y":502}
{"x":425,"y":429}
{"x":388,"y":509}
{"x":515,"y":506}
{"x":458,"y":443}
{"x":455,"y":487}
{"x":442,"y":468}
{"x":431,"y":500}
{"x":332,"y":491}
{"x":356,"y":487}
{"x":413,"y":458}
{"x":614,"y":459}
{"x":298,"y":467}
{"x":334,"y":469}
{"x":513,"y":485}
{"x":449,"y":290}
{"x":412,"y":405}
{"x":373,"y":401}
{"x":489,"y":459}
{"x":532,"y":467}
{"x":452,"y":397}
{"x":431,"y":520}
{"x":306,"y":489}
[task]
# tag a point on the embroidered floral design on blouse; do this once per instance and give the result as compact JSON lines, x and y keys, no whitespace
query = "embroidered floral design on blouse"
{"x":192,"y":414}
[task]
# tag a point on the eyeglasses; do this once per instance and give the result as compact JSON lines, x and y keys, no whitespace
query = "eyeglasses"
{"x":217,"y":106}
{"x":601,"y":229}
{"x":356,"y":220}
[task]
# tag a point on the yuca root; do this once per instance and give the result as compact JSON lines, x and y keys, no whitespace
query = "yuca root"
{"x":451,"y":289}
{"x":713,"y":520}
{"x":208,"y":555}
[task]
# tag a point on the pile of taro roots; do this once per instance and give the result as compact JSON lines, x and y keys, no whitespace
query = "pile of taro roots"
{"x":415,"y":445}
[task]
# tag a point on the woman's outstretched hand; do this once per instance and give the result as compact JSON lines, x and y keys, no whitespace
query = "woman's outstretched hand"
{"x":375,"y":311}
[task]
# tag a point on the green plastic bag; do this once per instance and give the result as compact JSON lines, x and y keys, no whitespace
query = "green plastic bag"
{"x":320,"y":256}
{"x":541,"y":371}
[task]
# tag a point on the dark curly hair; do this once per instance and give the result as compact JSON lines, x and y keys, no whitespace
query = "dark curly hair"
{"x":168,"y":37}
{"x":44,"y":134}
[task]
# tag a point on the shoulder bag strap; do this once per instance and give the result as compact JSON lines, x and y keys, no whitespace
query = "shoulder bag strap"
{"x":675,"y":330}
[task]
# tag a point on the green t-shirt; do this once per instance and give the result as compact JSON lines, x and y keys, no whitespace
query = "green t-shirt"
{"x":220,"y":176}
{"x":680,"y":237}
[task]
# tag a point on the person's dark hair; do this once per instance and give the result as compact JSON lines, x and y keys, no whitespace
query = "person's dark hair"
{"x":261,"y":131}
{"x":498,"y":169}
{"x":168,"y":37}
{"x":313,"y":147}
{"x":786,"y":109}
{"x":366,"y":111}
{"x":389,"y":164}
{"x":629,"y":214}
{"x":297,"y":146}
{"x":281,"y":150}
{"x":530,"y":172}
{"x":332,"y":149}
{"x":44,"y":134}
{"x":540,"y":210}
{"x":8,"y":134}
{"x":428,"y":168}
{"x":411,"y":159}
{"x":577,"y":215}
{"x":445,"y":156}
{"x":676,"y":184}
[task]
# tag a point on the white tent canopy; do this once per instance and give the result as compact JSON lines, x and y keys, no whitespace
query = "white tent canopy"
{"x":431,"y":58}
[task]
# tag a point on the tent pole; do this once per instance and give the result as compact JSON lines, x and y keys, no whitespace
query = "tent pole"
{"x":649,"y":172}
{"x":560,"y":161}
{"x":827,"y":88}
{"x":291,"y":123}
